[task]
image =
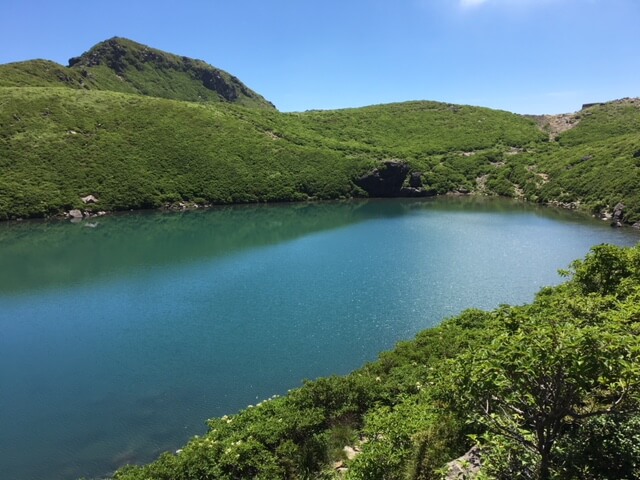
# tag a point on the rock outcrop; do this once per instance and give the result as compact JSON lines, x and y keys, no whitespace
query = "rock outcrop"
{"x":152,"y":72}
{"x":390,"y":180}
{"x":617,"y":220}
{"x":465,"y":467}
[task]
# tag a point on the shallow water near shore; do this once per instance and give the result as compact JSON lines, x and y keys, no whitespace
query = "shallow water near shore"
{"x":118,"y":341}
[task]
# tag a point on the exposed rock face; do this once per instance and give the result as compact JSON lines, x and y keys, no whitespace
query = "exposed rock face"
{"x":465,"y":467}
{"x":618,"y":215}
{"x":89,"y":199}
{"x":415,"y":180}
{"x":595,"y":104}
{"x":213,"y":81}
{"x":389,"y":181}
{"x":385,"y":181}
{"x":351,"y":452}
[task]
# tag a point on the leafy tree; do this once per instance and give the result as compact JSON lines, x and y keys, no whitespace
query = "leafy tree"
{"x":605,"y":268}
{"x":543,"y":373}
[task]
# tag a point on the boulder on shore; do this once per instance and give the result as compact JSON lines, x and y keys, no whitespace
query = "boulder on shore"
{"x":618,"y":215}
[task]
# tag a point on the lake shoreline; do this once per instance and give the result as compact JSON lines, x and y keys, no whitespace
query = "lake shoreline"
{"x":80,"y":216}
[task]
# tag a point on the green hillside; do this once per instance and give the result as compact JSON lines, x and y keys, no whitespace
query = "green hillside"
{"x":141,"y":128}
{"x":140,"y":152}
{"x":122,"y":65}
{"x":596,"y":164}
{"x":58,"y":145}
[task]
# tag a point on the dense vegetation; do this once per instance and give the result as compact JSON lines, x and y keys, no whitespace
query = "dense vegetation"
{"x":140,"y":128}
{"x":58,"y":145}
{"x":136,"y":152}
{"x":547,"y":390}
{"x":597,"y":163}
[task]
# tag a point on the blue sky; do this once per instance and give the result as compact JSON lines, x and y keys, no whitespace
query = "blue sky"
{"x":525,"y":56}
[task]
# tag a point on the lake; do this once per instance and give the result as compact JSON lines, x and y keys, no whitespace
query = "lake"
{"x":120,"y":336}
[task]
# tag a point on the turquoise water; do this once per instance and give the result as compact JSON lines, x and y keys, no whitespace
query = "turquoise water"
{"x":118,"y":341}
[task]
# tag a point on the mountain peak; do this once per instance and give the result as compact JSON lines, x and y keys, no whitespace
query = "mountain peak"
{"x":122,"y":65}
{"x":181,"y":78}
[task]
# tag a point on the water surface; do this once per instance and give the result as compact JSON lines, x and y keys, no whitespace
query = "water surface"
{"x":118,"y":340}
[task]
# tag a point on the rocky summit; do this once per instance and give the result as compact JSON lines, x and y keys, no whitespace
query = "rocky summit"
{"x":122,"y":65}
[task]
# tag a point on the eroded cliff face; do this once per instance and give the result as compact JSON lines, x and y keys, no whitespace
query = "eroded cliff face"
{"x":393,"y":179}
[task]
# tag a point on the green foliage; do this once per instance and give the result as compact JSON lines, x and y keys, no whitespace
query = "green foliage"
{"x":602,"y":122}
{"x":595,"y":163}
{"x":552,"y":365}
{"x":607,"y":270}
{"x":58,"y":145}
{"x":603,"y":448}
{"x":416,"y":129}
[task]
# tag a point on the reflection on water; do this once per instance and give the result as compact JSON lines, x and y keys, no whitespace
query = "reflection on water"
{"x":117,"y":342}
{"x":56,"y":253}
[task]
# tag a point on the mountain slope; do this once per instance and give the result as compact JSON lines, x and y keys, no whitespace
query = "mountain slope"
{"x":141,"y":128}
{"x":58,"y":145}
{"x":595,"y":164}
{"x":123,"y":65}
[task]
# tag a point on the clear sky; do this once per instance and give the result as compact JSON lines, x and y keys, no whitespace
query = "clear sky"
{"x":525,"y":56}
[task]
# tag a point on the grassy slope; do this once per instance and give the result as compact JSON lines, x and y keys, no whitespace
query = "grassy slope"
{"x":137,"y":152}
{"x":596,"y":163}
{"x":122,"y":65}
{"x":41,"y":73}
{"x":76,"y":136}
{"x":57,"y":145}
